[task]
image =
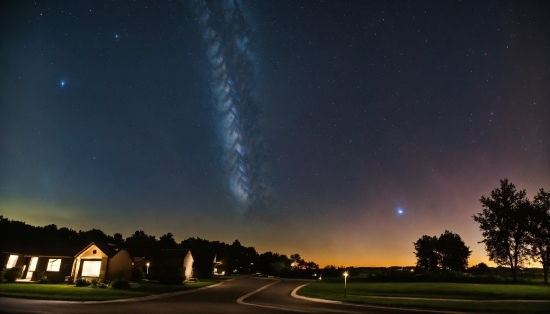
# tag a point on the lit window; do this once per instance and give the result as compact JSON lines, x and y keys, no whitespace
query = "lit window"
{"x":54,"y":264}
{"x":91,"y":268}
{"x":12,"y":261}
{"x":32,"y":265}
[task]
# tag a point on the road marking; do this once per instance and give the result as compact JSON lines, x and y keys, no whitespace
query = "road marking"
{"x":241,"y":299}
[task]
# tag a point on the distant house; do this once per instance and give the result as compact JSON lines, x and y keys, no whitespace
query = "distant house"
{"x":103,"y":261}
{"x":175,"y":258}
{"x":54,"y":263}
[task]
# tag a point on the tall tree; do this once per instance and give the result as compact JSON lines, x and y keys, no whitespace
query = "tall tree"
{"x":426,"y":253}
{"x":453,"y":253}
{"x":539,"y":229}
{"x":503,"y":223}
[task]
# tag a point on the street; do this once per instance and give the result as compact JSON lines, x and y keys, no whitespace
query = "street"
{"x":238,"y":296}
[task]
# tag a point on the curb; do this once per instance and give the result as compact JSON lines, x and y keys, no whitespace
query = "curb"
{"x":296,"y":296}
{"x":144,"y":298}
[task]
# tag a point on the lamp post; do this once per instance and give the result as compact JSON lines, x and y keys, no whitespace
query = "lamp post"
{"x":147,"y":268}
{"x":345,"y":283}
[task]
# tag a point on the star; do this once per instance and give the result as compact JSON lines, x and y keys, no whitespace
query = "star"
{"x":62,"y":83}
{"x":400,"y":211}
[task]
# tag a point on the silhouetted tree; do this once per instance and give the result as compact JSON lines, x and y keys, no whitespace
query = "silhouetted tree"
{"x":539,"y":230}
{"x":167,"y":241}
{"x":141,"y":244}
{"x":452,"y":252}
{"x":426,"y":253}
{"x":480,"y":269}
{"x":446,"y":252}
{"x":503,"y":223}
{"x":118,"y":239}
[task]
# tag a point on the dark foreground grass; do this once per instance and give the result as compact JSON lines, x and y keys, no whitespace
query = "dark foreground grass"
{"x":72,"y":293}
{"x":485,"y":296}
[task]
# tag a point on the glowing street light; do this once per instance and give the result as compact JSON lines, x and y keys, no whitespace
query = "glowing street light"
{"x":345,"y":284}
{"x":147,"y":268}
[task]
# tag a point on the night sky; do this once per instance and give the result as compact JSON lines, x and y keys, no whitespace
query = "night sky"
{"x":339,"y":130}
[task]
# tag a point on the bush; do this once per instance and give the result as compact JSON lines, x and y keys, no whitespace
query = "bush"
{"x":96,"y":283}
{"x":120,"y":284}
{"x":11,"y":274}
{"x":169,"y":275}
{"x":82,"y":282}
{"x":137,"y":274}
{"x":42,"y":278}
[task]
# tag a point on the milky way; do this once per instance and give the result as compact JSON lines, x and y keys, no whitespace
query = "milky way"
{"x":231,"y":66}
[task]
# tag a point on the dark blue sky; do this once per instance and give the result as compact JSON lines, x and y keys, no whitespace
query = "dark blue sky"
{"x":109,"y":119}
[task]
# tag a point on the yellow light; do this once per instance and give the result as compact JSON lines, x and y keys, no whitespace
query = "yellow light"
{"x":345,"y":274}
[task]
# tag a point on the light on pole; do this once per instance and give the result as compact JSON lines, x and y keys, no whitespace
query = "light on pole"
{"x":147,"y":268}
{"x":345,"y":284}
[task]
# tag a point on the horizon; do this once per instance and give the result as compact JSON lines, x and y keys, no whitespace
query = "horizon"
{"x":342,"y":131}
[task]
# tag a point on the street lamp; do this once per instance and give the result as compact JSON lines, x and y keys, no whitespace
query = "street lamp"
{"x":147,"y":268}
{"x":345,"y":284}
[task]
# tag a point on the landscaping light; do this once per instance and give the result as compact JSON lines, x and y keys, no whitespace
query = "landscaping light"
{"x":147,"y":268}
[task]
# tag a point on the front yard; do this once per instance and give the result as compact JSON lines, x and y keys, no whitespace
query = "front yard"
{"x":72,"y":293}
{"x":487,"y":298}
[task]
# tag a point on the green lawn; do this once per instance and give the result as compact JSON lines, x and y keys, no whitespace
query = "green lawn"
{"x":370,"y":293}
{"x":70,"y":292}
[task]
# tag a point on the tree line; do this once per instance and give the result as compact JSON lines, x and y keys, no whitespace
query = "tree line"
{"x":232,"y":258}
{"x":515,"y":229}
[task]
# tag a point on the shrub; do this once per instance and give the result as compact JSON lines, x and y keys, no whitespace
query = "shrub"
{"x":42,"y":278}
{"x":82,"y":282}
{"x":137,"y":274}
{"x":120,"y":284}
{"x":171,"y":276}
{"x":11,"y":274}
{"x":97,"y":283}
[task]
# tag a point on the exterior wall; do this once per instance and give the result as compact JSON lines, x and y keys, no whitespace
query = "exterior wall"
{"x":23,"y":262}
{"x":4,"y":260}
{"x":53,"y":276}
{"x":188,"y":266}
{"x":92,"y":253}
{"x":120,"y":266}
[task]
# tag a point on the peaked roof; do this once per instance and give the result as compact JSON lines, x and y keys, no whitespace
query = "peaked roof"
{"x":108,"y":249}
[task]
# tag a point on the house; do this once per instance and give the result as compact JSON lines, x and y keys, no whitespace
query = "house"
{"x":175,"y":258}
{"x":54,"y":263}
{"x":103,"y":261}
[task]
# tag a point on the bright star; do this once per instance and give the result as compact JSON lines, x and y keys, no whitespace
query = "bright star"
{"x":62,"y":83}
{"x":399,"y":211}
{"x":116,"y":36}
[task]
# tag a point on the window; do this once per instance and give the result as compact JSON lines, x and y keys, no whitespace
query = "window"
{"x":12,"y":261}
{"x":91,"y":268}
{"x":32,"y":265}
{"x":54,"y":264}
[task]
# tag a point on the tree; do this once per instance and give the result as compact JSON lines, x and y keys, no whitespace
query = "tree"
{"x":167,"y":241}
{"x":453,"y":253}
{"x":446,"y":252}
{"x":503,"y":223}
{"x":426,"y":252}
{"x":142,"y":244}
{"x":539,"y":230}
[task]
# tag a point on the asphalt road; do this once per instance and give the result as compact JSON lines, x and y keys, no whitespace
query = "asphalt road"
{"x":245,"y":295}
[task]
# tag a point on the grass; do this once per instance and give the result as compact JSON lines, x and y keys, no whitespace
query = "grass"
{"x":370,"y":293}
{"x":72,"y":293}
